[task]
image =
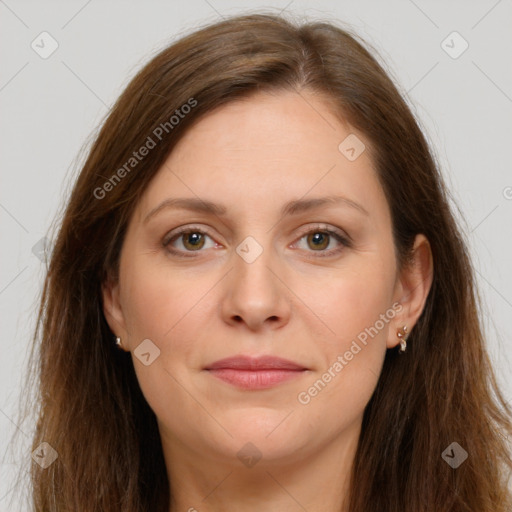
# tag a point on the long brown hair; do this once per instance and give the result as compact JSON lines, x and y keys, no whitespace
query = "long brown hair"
{"x":89,"y":406}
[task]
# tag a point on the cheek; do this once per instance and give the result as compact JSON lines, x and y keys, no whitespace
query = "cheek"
{"x":357,"y":309}
{"x":170,"y":309}
{"x":349,"y":302}
{"x":164,"y":308}
{"x":155,"y":301}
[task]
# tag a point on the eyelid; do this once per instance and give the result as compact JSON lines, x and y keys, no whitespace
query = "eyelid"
{"x":321,"y":226}
{"x":185,"y":229}
{"x":341,"y":236}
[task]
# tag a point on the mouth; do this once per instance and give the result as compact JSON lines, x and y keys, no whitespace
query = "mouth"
{"x":252,"y":373}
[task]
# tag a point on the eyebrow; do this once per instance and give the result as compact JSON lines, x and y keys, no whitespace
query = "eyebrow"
{"x":291,"y":208}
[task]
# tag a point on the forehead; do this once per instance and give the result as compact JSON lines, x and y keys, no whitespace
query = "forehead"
{"x":265,"y":150}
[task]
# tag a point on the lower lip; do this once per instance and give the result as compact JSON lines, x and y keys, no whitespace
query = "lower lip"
{"x":255,"y":379}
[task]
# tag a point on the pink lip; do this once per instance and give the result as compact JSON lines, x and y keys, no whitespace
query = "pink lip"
{"x":255,"y":373}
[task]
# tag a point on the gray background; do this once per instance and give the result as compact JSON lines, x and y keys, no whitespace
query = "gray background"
{"x":51,"y":106}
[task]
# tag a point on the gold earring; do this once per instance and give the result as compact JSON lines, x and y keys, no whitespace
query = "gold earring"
{"x":118,"y":342}
{"x":402,"y":336}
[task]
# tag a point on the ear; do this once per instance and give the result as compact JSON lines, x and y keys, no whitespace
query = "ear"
{"x":112,"y":308}
{"x":412,"y":288}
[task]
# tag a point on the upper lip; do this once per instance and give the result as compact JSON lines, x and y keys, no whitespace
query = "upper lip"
{"x":267,"y":362}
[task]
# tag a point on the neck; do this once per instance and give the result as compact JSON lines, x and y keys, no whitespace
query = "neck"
{"x":209,"y":482}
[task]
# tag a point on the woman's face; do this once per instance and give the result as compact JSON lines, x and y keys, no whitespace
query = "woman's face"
{"x":260,"y":276}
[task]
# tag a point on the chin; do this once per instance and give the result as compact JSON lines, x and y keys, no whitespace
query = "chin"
{"x":275,"y":438}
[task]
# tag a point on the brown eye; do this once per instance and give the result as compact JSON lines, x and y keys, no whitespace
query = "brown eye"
{"x":324,"y":241}
{"x":318,"y":240}
{"x":189,"y":240}
{"x":193,"y":240}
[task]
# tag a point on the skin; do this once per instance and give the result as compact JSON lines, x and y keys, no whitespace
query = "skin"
{"x":253,"y":156}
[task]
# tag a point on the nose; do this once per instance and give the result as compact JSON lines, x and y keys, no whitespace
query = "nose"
{"x":255,"y":294}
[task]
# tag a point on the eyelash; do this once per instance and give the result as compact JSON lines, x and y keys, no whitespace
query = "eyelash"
{"x":343,"y":240}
